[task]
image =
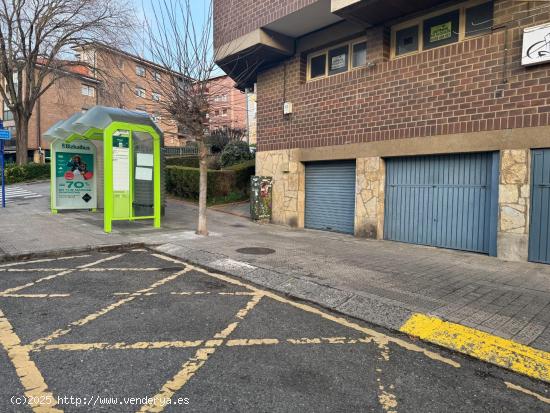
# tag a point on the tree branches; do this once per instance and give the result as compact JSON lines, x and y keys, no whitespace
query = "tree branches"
{"x":36,"y":38}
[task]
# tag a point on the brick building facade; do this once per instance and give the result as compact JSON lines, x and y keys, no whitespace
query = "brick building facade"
{"x":429,"y":103}
{"x":228,"y":104}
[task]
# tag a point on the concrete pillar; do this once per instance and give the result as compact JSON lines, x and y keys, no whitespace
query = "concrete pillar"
{"x":369,"y":197}
{"x":288,"y":204}
{"x":513,"y":200}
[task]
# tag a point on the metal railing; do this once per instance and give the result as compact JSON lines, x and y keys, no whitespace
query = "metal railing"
{"x":181,"y":151}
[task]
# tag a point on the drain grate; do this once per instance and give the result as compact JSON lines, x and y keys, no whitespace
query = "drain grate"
{"x":256,"y":251}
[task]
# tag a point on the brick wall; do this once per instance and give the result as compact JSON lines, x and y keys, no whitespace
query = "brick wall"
{"x":234,"y":106}
{"x":57,"y":103}
{"x":472,"y":86}
{"x":119,"y":79}
{"x":235,"y":18}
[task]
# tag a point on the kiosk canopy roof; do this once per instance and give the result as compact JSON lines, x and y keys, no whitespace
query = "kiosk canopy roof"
{"x":92,"y":123}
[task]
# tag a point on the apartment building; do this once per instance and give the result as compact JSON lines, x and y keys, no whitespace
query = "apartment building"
{"x":107,"y":76}
{"x":131,"y":82}
{"x":228,"y":104}
{"x":423,"y":122}
{"x":76,"y":91}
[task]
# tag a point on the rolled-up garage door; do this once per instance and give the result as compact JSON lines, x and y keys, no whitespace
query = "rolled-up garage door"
{"x":330,"y":196}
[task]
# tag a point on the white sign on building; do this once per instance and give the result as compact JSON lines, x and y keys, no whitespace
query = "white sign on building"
{"x":536,"y":45}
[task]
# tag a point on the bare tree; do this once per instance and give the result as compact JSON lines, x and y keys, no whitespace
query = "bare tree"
{"x":36,"y":38}
{"x":180,"y":43}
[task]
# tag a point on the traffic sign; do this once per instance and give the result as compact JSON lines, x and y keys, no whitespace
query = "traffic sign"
{"x":5,"y":134}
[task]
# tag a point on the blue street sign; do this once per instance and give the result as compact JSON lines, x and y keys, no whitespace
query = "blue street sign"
{"x":2,"y":163}
{"x":5,"y":134}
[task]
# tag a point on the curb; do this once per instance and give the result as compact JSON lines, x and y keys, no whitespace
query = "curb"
{"x":379,"y":311}
{"x":4,"y":258}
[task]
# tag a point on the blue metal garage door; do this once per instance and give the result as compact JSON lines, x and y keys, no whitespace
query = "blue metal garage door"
{"x":330,"y":196}
{"x":447,"y":201}
{"x":539,"y":233}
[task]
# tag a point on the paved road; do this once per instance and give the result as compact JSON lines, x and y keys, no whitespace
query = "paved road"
{"x":111,"y":329}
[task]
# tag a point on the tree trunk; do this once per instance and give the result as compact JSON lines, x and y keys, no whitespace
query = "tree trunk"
{"x":21,"y":144}
{"x":203,"y":181}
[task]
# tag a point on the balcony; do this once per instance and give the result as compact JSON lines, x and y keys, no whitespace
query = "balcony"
{"x":373,"y":12}
{"x":243,"y":57}
{"x":275,"y":41}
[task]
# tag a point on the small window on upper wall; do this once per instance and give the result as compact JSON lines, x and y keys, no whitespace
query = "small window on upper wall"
{"x":338,"y":60}
{"x":140,"y":71}
{"x":318,"y":66}
{"x":441,"y":30}
{"x":359,"y":54}
{"x":406,"y":40}
{"x":479,"y":19}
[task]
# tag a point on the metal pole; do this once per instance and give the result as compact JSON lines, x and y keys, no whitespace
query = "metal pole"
{"x":3,"y":177}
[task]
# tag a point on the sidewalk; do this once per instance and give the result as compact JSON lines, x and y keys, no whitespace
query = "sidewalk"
{"x":385,"y":283}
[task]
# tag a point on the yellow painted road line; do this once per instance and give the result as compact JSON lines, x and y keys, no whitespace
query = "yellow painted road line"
{"x":34,"y":295}
{"x":33,"y":269}
{"x":145,"y":345}
{"x":29,"y":375}
{"x":191,"y":366}
{"x":14,"y":264}
{"x":59,"y":274}
{"x":246,"y":342}
{"x":121,"y":269}
{"x":91,"y":264}
{"x":40,"y":280}
{"x":377,"y":336}
{"x":484,"y":346}
{"x":527,"y":391}
{"x":91,"y":317}
{"x":188,"y":293}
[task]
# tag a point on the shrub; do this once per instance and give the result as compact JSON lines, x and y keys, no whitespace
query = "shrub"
{"x":184,"y":182}
{"x":189,"y":161}
{"x":193,"y":161}
{"x":235,"y":153}
{"x":221,"y":137}
{"x":28,"y":172}
{"x":225,"y":185}
{"x":243,"y":172}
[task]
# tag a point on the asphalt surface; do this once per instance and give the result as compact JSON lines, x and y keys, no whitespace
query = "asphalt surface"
{"x":135,"y":331}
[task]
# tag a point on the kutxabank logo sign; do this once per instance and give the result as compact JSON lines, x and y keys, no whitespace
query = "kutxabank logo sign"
{"x":536,"y":45}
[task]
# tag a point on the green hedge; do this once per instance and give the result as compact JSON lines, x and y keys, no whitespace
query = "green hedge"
{"x":225,"y":185}
{"x":243,"y":172}
{"x":29,"y":172}
{"x":184,"y":182}
{"x":193,"y":161}
{"x":189,"y":161}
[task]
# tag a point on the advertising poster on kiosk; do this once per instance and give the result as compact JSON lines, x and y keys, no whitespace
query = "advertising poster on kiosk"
{"x":75,"y":180}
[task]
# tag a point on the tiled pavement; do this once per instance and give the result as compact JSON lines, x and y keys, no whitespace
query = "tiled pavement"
{"x":382,"y":282}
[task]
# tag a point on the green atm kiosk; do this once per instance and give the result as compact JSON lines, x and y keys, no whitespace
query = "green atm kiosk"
{"x":110,"y":157}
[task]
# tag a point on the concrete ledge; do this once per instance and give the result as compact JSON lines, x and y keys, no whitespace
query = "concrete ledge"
{"x":478,"y":344}
{"x":379,"y":311}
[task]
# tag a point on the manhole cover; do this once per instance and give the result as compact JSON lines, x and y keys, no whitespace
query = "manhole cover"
{"x":256,"y":251}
